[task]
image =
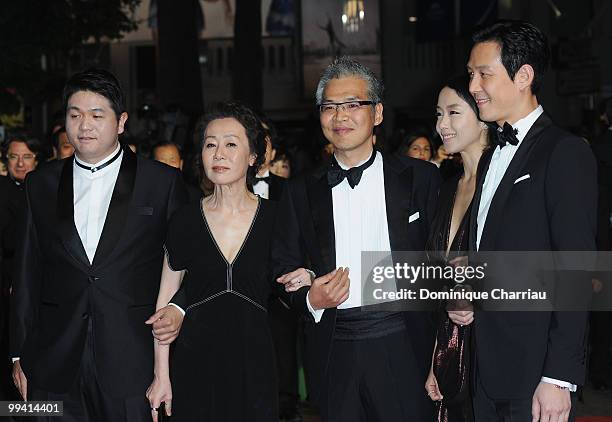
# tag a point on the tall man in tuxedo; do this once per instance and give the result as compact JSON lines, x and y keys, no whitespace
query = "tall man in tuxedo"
{"x":361,"y":365}
{"x":88,"y":268}
{"x":536,"y":192}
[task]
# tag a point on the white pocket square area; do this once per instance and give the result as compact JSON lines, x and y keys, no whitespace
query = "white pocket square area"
{"x":413,"y":217}
{"x":520,"y":179}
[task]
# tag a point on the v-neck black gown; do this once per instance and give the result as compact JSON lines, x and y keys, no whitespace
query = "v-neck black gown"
{"x":223,"y":365}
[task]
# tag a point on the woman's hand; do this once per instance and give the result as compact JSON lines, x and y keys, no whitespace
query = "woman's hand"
{"x":431,"y":385}
{"x":295,"y":279}
{"x":160,"y":391}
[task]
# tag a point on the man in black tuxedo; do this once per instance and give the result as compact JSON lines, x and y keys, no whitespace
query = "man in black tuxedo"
{"x":536,"y":192}
{"x":361,"y":365}
{"x":89,"y":264}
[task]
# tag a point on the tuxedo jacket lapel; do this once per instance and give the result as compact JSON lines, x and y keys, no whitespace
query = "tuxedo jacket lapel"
{"x":507,"y":183}
{"x":65,"y":213}
{"x":398,"y":190}
{"x":321,"y":208}
{"x":118,"y":208}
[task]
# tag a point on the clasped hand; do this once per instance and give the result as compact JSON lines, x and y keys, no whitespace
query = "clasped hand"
{"x":327,"y":291}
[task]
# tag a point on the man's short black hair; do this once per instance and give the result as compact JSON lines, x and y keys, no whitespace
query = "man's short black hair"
{"x":99,"y":81}
{"x":164,"y":143}
{"x":252,"y":126}
{"x":521,"y":43}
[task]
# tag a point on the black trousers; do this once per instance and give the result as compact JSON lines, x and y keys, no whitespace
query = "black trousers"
{"x":86,"y":401}
{"x":487,"y":409}
{"x":375,"y":380}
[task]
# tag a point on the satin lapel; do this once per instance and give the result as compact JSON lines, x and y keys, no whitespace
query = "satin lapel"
{"x":507,"y":183}
{"x":65,"y":213}
{"x":483,"y":167}
{"x":321,"y":208}
{"x":118,"y":208}
{"x":398,"y":199}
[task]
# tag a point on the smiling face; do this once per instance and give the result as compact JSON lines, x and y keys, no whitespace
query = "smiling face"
{"x":457,"y":123}
{"x":92,"y":126}
{"x":498,"y":97}
{"x":349,"y":130}
{"x":21,"y":160}
{"x":226,"y":154}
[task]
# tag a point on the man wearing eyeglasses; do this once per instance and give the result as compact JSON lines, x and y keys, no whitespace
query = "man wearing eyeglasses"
{"x":361,"y":365}
{"x":20,"y":155}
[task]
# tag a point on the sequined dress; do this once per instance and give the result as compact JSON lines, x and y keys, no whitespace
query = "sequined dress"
{"x":452,"y":357}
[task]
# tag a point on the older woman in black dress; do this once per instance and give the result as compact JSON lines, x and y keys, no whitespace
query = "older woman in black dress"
{"x":222,"y":366}
{"x":462,"y":132}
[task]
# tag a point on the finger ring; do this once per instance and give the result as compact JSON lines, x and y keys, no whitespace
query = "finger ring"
{"x":155,"y":409}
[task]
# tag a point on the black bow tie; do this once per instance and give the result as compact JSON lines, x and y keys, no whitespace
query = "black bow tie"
{"x":262,"y":179}
{"x":506,"y":136}
{"x":336,"y":174}
{"x":100,"y":167}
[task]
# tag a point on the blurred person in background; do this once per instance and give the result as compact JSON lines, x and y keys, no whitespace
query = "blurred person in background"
{"x":61,"y":145}
{"x":20,"y":155}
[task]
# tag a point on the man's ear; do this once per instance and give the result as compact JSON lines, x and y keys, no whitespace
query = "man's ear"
{"x":121,"y":124}
{"x":378,"y":114}
{"x":524,"y":77}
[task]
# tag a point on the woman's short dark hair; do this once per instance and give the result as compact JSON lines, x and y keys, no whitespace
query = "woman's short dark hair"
{"x":460,"y":84}
{"x":99,"y":81}
{"x":521,"y":43}
{"x":411,"y":136}
{"x":32,"y":143}
{"x":255,"y":133}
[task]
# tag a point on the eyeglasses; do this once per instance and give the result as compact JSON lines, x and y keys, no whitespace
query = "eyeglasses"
{"x":347,"y":106}
{"x":24,"y":157}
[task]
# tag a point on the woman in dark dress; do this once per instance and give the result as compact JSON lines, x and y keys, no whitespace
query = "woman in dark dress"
{"x":462,"y":132}
{"x":222,"y":365}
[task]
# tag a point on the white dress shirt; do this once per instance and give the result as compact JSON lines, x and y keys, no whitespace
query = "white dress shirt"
{"x":360,"y":224}
{"x":497,"y":169}
{"x":92,"y":196}
{"x":262,"y":188}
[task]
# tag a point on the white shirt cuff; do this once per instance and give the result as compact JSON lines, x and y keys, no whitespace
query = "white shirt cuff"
{"x":569,"y":386}
{"x":15,"y":359}
{"x":177,"y":307}
{"x":316,"y":314}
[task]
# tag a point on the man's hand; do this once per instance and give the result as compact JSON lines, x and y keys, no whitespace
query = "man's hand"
{"x":166,"y":324}
{"x":330,"y":290}
{"x":295,"y":279}
{"x":550,"y":404}
{"x":20,"y":380}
